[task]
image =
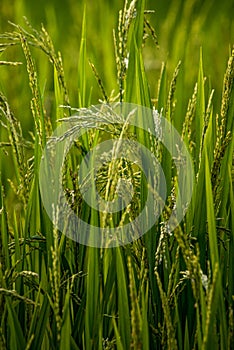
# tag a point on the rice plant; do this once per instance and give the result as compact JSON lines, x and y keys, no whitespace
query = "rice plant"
{"x":164,"y":290}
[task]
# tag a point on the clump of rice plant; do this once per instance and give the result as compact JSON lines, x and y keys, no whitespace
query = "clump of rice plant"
{"x":165,"y":290}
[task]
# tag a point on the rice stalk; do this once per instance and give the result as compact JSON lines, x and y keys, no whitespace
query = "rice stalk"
{"x":18,"y":144}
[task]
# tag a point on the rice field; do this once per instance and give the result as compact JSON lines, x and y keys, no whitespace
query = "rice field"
{"x":128,"y":81}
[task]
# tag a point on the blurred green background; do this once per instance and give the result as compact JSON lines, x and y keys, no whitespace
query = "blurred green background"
{"x":182,"y":28}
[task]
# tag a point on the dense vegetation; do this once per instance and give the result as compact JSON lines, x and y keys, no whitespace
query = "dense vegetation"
{"x":163,"y":291}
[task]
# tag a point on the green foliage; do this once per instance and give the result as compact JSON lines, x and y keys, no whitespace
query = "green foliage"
{"x":162,"y":291}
